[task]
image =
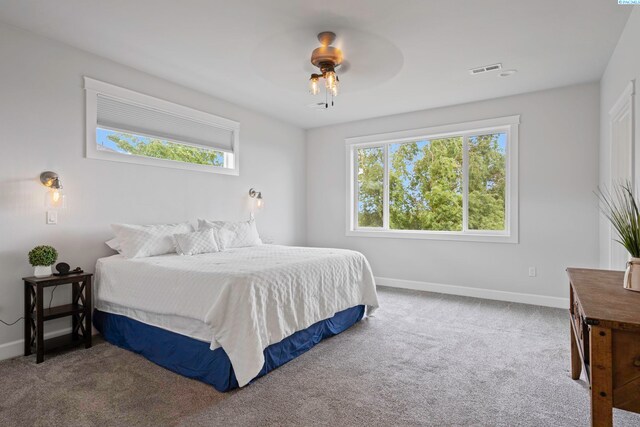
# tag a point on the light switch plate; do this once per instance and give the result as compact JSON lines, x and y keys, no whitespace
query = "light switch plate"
{"x":52,"y":217}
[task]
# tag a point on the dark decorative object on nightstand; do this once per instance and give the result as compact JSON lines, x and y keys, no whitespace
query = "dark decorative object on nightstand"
{"x":35,"y":313}
{"x":62,"y":268}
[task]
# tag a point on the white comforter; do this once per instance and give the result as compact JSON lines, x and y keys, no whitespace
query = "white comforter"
{"x":250,"y":297}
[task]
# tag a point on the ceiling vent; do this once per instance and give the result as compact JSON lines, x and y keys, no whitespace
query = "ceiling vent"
{"x":485,"y":69}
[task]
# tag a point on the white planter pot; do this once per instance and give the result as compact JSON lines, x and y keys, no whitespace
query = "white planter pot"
{"x":632,"y":275}
{"x":42,"y":270}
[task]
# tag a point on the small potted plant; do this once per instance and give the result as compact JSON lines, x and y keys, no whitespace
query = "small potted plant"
{"x":622,"y":211}
{"x":42,"y":258}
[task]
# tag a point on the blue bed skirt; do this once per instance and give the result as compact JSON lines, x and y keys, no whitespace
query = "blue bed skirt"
{"x":194,"y":359}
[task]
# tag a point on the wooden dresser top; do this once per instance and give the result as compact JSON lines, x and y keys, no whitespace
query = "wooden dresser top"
{"x":602,"y":297}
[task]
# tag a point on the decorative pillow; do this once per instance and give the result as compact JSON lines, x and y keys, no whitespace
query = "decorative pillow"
{"x":114,"y":244}
{"x":198,"y":242}
{"x":225,"y":238}
{"x":233,"y":234}
{"x":137,"y":241}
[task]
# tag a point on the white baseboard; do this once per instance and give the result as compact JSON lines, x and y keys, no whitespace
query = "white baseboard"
{"x":16,"y":348}
{"x":542,"y":300}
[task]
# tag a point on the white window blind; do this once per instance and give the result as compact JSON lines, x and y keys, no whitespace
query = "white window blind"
{"x":129,"y":117}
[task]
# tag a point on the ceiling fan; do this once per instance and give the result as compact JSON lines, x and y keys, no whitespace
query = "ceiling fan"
{"x":327,"y":58}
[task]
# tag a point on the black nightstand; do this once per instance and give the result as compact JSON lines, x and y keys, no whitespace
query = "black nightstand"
{"x":35,"y":314}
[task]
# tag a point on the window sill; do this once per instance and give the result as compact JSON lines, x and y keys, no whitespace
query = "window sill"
{"x":487,"y":237}
{"x":95,"y":153}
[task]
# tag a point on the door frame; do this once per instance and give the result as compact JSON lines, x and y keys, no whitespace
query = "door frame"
{"x":625,"y":105}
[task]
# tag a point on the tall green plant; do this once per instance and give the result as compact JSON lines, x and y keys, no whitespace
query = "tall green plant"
{"x":621,"y":210}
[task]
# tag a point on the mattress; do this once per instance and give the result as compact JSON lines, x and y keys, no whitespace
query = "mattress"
{"x":243,"y":300}
{"x":191,"y":328}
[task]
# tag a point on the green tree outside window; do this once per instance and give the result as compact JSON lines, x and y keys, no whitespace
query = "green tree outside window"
{"x":426,"y":184}
{"x":160,"y":149}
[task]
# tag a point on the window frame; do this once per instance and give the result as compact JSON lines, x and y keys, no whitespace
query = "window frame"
{"x":95,"y":87}
{"x":508,"y":125}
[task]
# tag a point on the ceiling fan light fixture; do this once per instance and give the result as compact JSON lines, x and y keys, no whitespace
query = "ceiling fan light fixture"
{"x":314,"y":87}
{"x":334,"y":89}
{"x":330,"y":79}
{"x":326,"y":55}
{"x":327,"y":58}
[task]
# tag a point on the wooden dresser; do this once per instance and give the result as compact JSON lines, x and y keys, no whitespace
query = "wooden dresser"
{"x":605,"y":339}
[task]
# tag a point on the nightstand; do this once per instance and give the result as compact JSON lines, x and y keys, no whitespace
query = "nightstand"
{"x":35,"y":313}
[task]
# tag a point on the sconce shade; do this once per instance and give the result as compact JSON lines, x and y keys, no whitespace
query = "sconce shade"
{"x":257,"y":195}
{"x":54,"y":198}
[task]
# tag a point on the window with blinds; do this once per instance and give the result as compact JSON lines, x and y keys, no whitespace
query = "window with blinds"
{"x":123,"y":125}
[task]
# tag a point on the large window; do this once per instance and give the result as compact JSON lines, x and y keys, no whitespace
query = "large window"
{"x":454,"y":182}
{"x":126,"y":126}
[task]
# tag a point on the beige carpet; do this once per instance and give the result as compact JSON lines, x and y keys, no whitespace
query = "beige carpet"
{"x":425,"y":359}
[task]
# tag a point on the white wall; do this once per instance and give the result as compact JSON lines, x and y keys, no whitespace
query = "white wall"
{"x":42,"y":128}
{"x":558,"y":212}
{"x":623,"y":67}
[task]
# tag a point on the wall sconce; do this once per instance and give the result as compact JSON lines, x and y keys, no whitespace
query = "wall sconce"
{"x":258,"y":196}
{"x":54,"y":198}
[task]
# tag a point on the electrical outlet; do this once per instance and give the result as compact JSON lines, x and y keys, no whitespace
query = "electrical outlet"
{"x":532,"y":272}
{"x":52,"y":217}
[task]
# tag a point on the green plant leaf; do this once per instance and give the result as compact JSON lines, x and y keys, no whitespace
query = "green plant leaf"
{"x":621,"y":210}
{"x":43,"y":256}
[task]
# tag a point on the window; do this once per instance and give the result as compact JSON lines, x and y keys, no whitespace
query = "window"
{"x":454,"y":182}
{"x":137,"y":145}
{"x":127,"y":126}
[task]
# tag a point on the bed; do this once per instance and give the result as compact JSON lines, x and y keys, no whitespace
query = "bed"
{"x":228,"y":317}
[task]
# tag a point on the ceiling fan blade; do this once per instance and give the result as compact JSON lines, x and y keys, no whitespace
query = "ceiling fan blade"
{"x":344,"y":67}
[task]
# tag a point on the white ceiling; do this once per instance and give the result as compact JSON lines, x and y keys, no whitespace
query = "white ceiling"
{"x":404,"y":55}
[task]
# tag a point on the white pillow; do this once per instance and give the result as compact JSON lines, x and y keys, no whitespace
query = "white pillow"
{"x":137,"y":241}
{"x":198,"y":242}
{"x":233,"y":234}
{"x":225,"y":238}
{"x":114,"y":244}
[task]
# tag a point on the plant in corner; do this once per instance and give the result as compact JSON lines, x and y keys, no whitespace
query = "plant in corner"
{"x":42,"y":258}
{"x":621,"y":210}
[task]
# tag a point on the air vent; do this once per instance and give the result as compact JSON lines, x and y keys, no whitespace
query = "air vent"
{"x":485,"y":69}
